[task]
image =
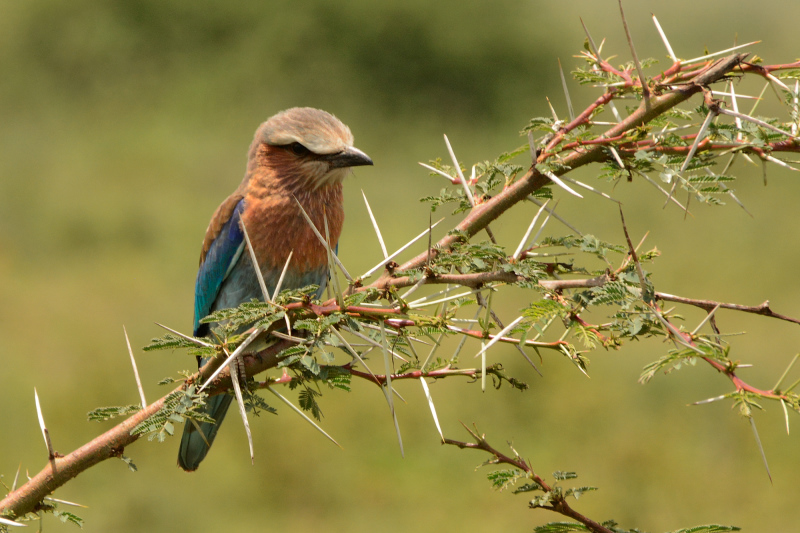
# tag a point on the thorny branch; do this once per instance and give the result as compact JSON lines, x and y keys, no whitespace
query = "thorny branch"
{"x":557,"y":501}
{"x":672,"y":87}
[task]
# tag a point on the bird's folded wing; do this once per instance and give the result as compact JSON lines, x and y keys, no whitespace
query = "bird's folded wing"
{"x":222,"y":248}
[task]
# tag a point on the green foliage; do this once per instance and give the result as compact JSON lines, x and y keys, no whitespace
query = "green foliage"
{"x":67,"y":517}
{"x":178,"y":406}
{"x":502,"y":479}
{"x":560,"y":527}
{"x":707,"y":529}
{"x":107,"y":413}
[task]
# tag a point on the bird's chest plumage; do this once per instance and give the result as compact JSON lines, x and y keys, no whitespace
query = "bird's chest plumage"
{"x":279,"y":227}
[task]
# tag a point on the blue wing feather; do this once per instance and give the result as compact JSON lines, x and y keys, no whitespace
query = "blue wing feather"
{"x":221,"y":257}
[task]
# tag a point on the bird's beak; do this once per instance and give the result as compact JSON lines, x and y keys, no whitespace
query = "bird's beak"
{"x":349,"y":157}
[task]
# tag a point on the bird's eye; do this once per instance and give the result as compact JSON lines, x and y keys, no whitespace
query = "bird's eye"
{"x":298,"y":149}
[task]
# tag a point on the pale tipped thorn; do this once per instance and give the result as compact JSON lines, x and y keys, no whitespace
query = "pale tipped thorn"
{"x":550,"y":213}
{"x":757,"y":122}
{"x":553,"y":112}
{"x":45,"y":434}
{"x":16,"y":477}
{"x":256,"y":332}
{"x":664,"y":191}
{"x":666,"y":41}
{"x":535,"y":201}
{"x":432,"y":407}
{"x":521,"y":246}
{"x":279,"y":285}
{"x":453,"y":180}
{"x":760,"y":447}
{"x":499,"y":336}
{"x":703,"y":322}
{"x":237,"y":390}
{"x":375,"y":226}
{"x":721,"y":52}
{"x":590,"y":188}
{"x":135,"y":370}
{"x":323,"y":241}
{"x":185,"y":337}
{"x":333,"y":277}
{"x":354,"y":353}
{"x":642,"y":79}
{"x":467,"y":190}
{"x":555,"y":179}
{"x":401,"y":249}
{"x":388,"y":386}
{"x":785,"y":372}
{"x":256,"y":267}
{"x":302,"y":414}
{"x":566,"y":91}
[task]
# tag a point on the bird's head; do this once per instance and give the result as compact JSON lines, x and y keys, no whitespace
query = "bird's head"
{"x":306,"y":144}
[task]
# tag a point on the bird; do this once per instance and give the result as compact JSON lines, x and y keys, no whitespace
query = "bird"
{"x":298,"y":157}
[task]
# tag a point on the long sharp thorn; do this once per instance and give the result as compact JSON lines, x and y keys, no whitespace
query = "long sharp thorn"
{"x":664,"y":191}
{"x":780,"y":163}
{"x":45,"y":433}
{"x":552,"y":111}
{"x":185,"y":337}
{"x":135,"y":370}
{"x":550,"y":213}
{"x":401,"y":249}
{"x":375,"y":226}
{"x":483,"y":365}
{"x":591,"y":41}
{"x":65,"y":502}
{"x":760,"y":447}
{"x":757,"y":122}
{"x":445,"y":174}
{"x":237,"y":389}
{"x":354,"y":353}
{"x":322,"y":240}
{"x":461,"y":343}
{"x":334,"y":278}
{"x":279,"y":285}
{"x":590,"y":188}
{"x":530,"y":361}
{"x":666,"y":41}
{"x":9,"y":522}
{"x":721,"y":52}
{"x":256,"y":267}
{"x":557,"y":217}
{"x":16,"y":477}
{"x":700,"y":136}
{"x":388,"y":387}
{"x":467,"y":190}
{"x":785,"y":372}
{"x":301,"y":413}
{"x":433,"y":408}
{"x":566,"y":91}
{"x":231,"y":357}
{"x":785,"y":415}
{"x":528,"y":232}
{"x":710,"y":400}
{"x":433,"y":351}
{"x":737,"y":120}
{"x":642,"y":79}
{"x":708,"y":317}
{"x":555,"y":179}
{"x":499,"y":335}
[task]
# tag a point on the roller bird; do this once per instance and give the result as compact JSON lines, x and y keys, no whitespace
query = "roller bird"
{"x":299,"y":156}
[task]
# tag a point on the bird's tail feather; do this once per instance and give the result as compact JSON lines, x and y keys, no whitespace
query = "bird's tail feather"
{"x":196,"y":443}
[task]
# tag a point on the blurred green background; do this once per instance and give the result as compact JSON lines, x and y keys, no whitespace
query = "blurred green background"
{"x":124,"y":124}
